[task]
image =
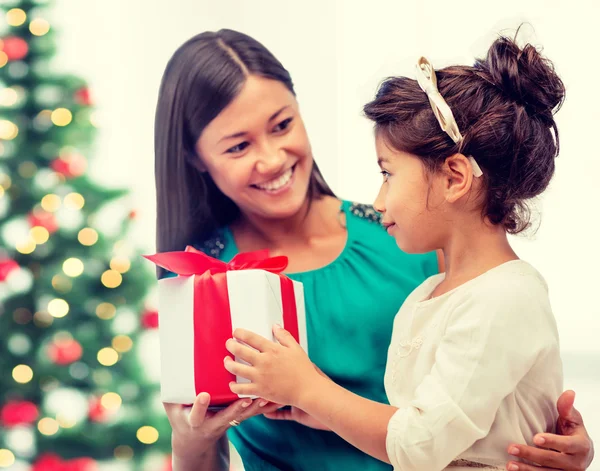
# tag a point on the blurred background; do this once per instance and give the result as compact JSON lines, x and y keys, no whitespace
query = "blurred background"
{"x":105,"y":71}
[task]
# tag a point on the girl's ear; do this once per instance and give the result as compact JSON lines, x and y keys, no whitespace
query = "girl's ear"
{"x":458,"y":175}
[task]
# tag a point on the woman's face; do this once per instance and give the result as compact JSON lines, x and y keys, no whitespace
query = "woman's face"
{"x":257,"y":151}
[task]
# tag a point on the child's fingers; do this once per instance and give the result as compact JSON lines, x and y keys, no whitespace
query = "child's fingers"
{"x":238,"y":369}
{"x":283,"y":336}
{"x":279,"y":415}
{"x":241,"y":351}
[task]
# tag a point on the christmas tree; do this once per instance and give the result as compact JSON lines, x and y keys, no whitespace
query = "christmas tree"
{"x":74,"y":305}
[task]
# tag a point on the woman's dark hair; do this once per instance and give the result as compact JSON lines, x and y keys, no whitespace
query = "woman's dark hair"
{"x":504,"y":107}
{"x":204,"y":75}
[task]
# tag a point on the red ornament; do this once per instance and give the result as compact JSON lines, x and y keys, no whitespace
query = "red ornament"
{"x":14,"y":48}
{"x":96,"y":411}
{"x":52,"y":462}
{"x":44,"y":219}
{"x":65,"y":352}
{"x":132,"y":214}
{"x":7,"y":266}
{"x":70,"y":166}
{"x":84,"y":97}
{"x":150,"y":319}
{"x":18,"y":412}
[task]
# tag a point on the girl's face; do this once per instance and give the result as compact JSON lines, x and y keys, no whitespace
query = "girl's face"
{"x":257,"y":151}
{"x":412,"y":205}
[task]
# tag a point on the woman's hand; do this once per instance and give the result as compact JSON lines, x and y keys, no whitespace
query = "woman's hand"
{"x":197,"y":432}
{"x":572,"y":450}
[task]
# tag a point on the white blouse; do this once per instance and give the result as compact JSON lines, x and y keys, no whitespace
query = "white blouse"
{"x":472,"y":370}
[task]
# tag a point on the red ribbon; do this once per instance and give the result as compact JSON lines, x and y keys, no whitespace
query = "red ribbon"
{"x":211,"y":295}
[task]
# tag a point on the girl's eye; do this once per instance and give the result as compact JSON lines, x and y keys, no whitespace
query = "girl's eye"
{"x":386,"y":175}
{"x":283,"y":125}
{"x":239,"y":148}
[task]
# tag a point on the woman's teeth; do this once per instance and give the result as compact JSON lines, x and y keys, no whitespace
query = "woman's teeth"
{"x":278,"y":182}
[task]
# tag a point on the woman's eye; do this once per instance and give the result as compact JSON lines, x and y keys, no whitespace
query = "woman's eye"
{"x":386,"y":175}
{"x":239,"y":148}
{"x":283,"y":125}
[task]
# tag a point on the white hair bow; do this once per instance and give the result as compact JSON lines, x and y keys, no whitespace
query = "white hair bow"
{"x":428,"y":82}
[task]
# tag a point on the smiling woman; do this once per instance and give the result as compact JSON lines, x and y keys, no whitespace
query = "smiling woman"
{"x":224,"y":97}
{"x":267,"y":155}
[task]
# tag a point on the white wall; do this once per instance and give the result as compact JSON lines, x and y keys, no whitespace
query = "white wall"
{"x":337,"y":52}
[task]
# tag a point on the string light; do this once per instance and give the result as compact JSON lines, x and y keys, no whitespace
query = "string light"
{"x":147,"y":435}
{"x":22,"y":374}
{"x":64,"y":421}
{"x":61,"y":117}
{"x":39,"y":27}
{"x":8,"y":97}
{"x":8,"y":129}
{"x":48,"y":426}
{"x":87,"y":236}
{"x":3,"y":59}
{"x":111,"y":278}
{"x":39,"y":234}
{"x":111,"y":401}
{"x":22,"y":316}
{"x":106,"y":311}
{"x":73,"y":267}
{"x":16,"y":17}
{"x":42,"y":319}
{"x":26,"y":246}
{"x":108,"y":356}
{"x":61,"y":284}
{"x":123,"y":452}
{"x":74,"y":201}
{"x":58,"y":308}
{"x":51,"y":203}
{"x":120,"y":264}
{"x":27,"y":169}
{"x":122,"y":343}
{"x":7,"y":458}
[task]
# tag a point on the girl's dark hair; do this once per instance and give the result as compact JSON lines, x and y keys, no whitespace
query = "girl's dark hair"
{"x":504,"y":107}
{"x":204,"y":75}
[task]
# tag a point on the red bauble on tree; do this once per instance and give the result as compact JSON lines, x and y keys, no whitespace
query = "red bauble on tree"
{"x":70,"y":166}
{"x":65,"y":351}
{"x":44,"y":219}
{"x":150,"y":319}
{"x":83,"y":96}
{"x":14,"y":48}
{"x":97,"y":412}
{"x":52,"y":462}
{"x":16,"y":413}
{"x":7,"y":266}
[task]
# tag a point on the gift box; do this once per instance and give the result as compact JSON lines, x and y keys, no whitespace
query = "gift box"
{"x":201,"y":307}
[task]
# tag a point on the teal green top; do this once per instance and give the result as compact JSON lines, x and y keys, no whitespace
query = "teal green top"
{"x":350,"y":308}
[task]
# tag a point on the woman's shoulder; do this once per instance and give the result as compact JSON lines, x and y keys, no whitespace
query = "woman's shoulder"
{"x":363,"y":211}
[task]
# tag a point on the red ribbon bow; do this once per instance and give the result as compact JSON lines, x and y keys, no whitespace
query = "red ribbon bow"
{"x":194,"y":262}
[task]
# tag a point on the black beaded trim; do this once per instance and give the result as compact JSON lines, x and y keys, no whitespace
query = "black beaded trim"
{"x":213,"y":246}
{"x":470,"y":464}
{"x":365,"y":211}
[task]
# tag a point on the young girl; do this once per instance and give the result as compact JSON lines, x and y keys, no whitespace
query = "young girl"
{"x":474,"y":362}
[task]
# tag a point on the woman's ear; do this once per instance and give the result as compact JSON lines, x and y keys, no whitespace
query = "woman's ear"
{"x":195,"y":161}
{"x":458,"y":175}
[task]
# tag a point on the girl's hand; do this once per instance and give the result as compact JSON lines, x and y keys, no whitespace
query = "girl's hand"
{"x":572,"y":450}
{"x":297,"y":415}
{"x":280,"y":372}
{"x":197,"y":431}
